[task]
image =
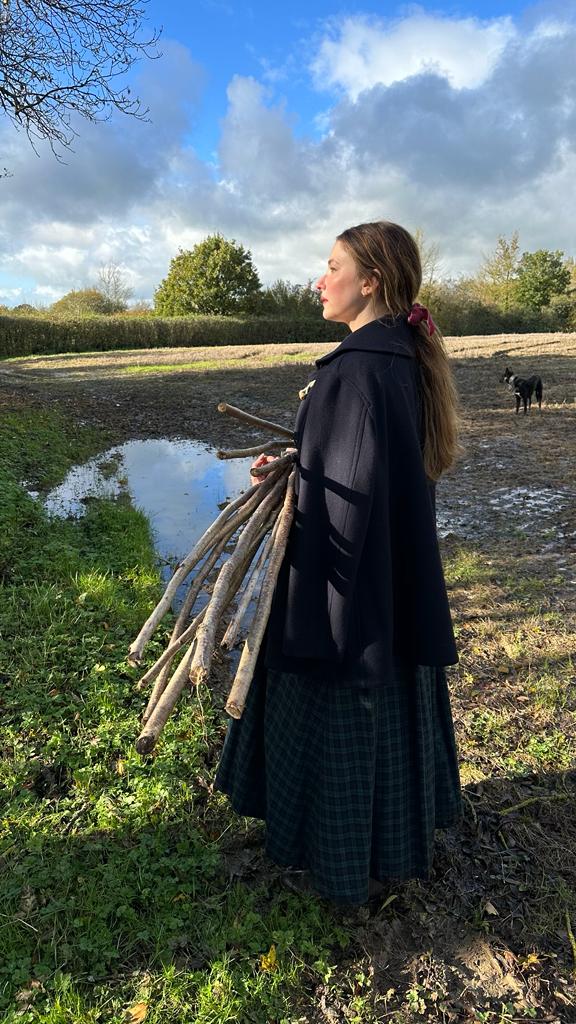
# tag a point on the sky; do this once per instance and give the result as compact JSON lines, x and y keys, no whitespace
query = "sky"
{"x":279,"y":126}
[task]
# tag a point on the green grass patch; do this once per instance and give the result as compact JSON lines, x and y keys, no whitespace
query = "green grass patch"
{"x":466,"y":566}
{"x":231,"y":363}
{"x":113,"y":889}
{"x":198,"y":366}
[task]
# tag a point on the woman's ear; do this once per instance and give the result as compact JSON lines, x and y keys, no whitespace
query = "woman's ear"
{"x":370,"y":285}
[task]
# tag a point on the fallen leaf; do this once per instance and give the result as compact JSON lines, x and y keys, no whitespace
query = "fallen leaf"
{"x":137,"y":1013}
{"x":389,"y":899}
{"x":491,"y":909}
{"x":268,"y":960}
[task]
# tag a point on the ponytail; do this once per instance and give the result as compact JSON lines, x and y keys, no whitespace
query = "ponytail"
{"x":440,"y":404}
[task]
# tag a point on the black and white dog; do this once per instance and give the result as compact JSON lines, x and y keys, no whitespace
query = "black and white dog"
{"x":523,"y":388}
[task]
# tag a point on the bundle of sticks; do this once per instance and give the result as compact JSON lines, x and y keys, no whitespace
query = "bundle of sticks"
{"x":258,"y":524}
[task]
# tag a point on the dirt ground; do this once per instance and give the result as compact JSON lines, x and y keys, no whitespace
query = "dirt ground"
{"x":490,"y":934}
{"x":517,"y":475}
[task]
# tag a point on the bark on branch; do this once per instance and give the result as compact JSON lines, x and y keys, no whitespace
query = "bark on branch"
{"x":255,"y":421}
{"x":240,"y":687}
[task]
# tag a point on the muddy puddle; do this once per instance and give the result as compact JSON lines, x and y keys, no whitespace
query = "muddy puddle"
{"x":538,"y":512}
{"x":179,"y":485}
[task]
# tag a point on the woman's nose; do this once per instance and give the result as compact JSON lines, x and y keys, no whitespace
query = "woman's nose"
{"x":320,"y":283}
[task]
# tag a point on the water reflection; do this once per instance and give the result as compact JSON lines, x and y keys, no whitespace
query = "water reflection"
{"x":177,"y":484}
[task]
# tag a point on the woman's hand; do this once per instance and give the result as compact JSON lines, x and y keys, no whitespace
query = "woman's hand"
{"x":262,"y":460}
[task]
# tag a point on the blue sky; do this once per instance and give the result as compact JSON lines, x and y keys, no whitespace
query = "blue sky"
{"x":280,"y":126}
{"x":266,"y":40}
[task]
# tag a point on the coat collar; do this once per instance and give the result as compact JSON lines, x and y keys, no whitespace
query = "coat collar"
{"x":387,"y":334}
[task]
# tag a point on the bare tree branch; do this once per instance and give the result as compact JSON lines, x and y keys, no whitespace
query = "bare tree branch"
{"x":61,"y":58}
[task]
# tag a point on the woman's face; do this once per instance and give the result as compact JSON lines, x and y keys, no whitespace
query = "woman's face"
{"x":345,"y":296}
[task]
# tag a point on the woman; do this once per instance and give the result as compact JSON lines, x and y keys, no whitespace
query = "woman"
{"x":346,"y":747}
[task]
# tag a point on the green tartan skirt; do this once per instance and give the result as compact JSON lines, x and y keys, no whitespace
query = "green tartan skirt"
{"x":351,"y":781}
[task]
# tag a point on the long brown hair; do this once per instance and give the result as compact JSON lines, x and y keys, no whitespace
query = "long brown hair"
{"x":388,"y":252}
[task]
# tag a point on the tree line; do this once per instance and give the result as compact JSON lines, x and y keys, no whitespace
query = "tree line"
{"x":217,"y":277}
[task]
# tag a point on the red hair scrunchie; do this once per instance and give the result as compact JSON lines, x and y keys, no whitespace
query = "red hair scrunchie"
{"x":418,"y":314}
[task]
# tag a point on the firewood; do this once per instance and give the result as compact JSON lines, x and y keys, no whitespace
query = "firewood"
{"x":157,"y":720}
{"x":205,"y":638}
{"x":241,"y":509}
{"x":256,"y":526}
{"x":255,"y":421}
{"x":244,"y":453}
{"x":162,"y":667}
{"x":272,"y":467}
{"x":159,"y":714}
{"x":241,"y":685}
{"x":229,"y":638}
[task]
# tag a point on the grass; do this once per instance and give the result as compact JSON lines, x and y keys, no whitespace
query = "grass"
{"x":231,"y":363}
{"x":113,"y":889}
{"x":128,"y":888}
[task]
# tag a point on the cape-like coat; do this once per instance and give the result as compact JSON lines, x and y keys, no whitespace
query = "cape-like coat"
{"x":362,"y":580}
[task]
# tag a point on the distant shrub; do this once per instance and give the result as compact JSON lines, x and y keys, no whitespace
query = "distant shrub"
{"x":82,"y":302}
{"x":23,"y":309}
{"x":44,"y":335}
{"x":459,"y":312}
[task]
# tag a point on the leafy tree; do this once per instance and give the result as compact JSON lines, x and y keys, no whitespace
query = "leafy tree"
{"x":499,"y":272}
{"x":562,"y":310}
{"x":217,"y":276}
{"x":542,"y":274}
{"x":84,"y":302}
{"x":62,"y":58}
{"x":112,"y":285}
{"x":286,"y":299}
{"x":570,"y":265}
{"x":24,"y":309}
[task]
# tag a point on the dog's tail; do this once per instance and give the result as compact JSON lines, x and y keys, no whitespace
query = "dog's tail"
{"x":538,"y":391}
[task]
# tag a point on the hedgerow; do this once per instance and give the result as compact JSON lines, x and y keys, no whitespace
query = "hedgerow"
{"x":45,"y":335}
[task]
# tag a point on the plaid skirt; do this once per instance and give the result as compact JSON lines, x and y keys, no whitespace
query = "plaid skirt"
{"x":351,"y":781}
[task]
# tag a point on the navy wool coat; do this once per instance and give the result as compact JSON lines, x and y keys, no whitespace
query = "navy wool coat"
{"x":362,"y":580}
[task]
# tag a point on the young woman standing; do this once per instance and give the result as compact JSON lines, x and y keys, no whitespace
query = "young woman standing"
{"x":346,"y":747}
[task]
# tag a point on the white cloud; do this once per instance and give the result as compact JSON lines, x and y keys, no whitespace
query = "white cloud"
{"x":361,"y":52}
{"x":463,"y":162}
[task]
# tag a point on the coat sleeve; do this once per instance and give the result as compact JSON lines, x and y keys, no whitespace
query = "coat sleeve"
{"x":338,"y":460}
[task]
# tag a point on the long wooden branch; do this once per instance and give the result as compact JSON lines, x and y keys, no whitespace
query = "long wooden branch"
{"x":161,"y":668}
{"x":200,"y":578}
{"x":157,"y":720}
{"x":242,"y":509}
{"x":229,"y":638}
{"x":258,"y":449}
{"x":255,"y":421}
{"x":159,"y":715}
{"x":162,"y":665}
{"x":240,"y":687}
{"x":205,"y":638}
